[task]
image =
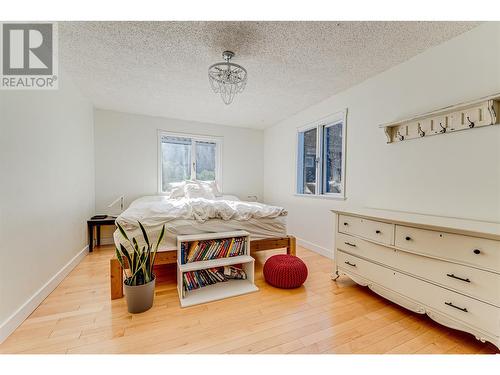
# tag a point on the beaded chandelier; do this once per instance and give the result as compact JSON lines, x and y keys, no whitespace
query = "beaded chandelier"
{"x":227,"y":78}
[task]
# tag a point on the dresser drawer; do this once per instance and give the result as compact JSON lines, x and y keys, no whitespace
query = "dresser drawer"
{"x":365,"y":249}
{"x":478,"y":252}
{"x":483,"y":285}
{"x":468,"y":310}
{"x":369,"y":270}
{"x":370,"y":229}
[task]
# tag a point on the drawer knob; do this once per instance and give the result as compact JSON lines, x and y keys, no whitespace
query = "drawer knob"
{"x":346,"y":223}
{"x":350,"y":244}
{"x":456,"y":307}
{"x":350,"y":264}
{"x":458,"y":278}
{"x":407,"y":238}
{"x":378,"y":232}
{"x":477,"y":251}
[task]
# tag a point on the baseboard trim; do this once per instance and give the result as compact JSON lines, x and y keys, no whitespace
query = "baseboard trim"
{"x":316,"y":248}
{"x":19,"y":316}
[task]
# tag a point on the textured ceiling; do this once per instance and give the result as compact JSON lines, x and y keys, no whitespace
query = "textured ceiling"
{"x":160,"y":68}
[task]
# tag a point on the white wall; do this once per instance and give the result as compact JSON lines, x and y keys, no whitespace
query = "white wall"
{"x":126,"y":155}
{"x":456,"y":174}
{"x":46,"y":191}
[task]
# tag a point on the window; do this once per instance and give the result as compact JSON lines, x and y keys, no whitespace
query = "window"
{"x":188,"y":157}
{"x":321,"y":157}
{"x":307,"y":161}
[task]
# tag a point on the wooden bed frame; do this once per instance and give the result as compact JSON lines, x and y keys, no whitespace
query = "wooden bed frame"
{"x":169,"y":257}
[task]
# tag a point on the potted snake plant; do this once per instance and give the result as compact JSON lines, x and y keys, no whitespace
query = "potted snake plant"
{"x":139,"y":283}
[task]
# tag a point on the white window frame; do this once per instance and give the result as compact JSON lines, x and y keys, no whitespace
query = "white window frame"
{"x":194,"y":137}
{"x":320,"y":125}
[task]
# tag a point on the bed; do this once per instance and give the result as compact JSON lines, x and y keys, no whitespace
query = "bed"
{"x":194,"y":214}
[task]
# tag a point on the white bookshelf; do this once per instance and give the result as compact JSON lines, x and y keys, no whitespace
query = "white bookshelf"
{"x":220,"y":290}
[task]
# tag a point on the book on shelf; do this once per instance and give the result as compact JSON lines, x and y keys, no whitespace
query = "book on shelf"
{"x":192,"y":280}
{"x":200,"y":250}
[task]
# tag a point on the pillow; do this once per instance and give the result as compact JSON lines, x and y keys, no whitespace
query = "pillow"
{"x":177,"y":190}
{"x":212,"y":186}
{"x":215,"y":189}
{"x":196,"y":190}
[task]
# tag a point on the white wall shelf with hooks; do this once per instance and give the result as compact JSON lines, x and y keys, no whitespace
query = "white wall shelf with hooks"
{"x":475,"y":114}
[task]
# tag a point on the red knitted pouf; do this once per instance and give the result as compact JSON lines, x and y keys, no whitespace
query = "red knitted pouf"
{"x":285,"y":271}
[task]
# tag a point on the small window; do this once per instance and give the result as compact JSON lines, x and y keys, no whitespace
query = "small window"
{"x":321,"y":157}
{"x":188,"y":157}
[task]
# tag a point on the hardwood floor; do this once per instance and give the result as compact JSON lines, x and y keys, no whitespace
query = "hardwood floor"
{"x":321,"y":317}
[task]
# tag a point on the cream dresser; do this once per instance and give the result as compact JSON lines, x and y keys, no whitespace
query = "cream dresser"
{"x":444,"y":267}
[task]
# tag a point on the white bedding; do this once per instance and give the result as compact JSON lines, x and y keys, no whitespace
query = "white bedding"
{"x":193,"y":216}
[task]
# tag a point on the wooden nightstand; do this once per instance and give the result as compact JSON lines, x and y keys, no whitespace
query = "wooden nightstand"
{"x":91,"y":223}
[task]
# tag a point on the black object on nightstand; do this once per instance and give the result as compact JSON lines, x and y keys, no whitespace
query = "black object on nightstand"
{"x":97,"y":221}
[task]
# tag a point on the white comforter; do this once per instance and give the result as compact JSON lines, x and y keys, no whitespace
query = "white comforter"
{"x":157,"y":210}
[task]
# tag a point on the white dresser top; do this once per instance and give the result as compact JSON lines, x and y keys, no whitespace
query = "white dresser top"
{"x":477,"y":228}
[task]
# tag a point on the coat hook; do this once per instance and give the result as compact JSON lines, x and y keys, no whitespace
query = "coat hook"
{"x":471,"y":123}
{"x":443,"y":129}
{"x":401,"y":137}
{"x":420,"y":131}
